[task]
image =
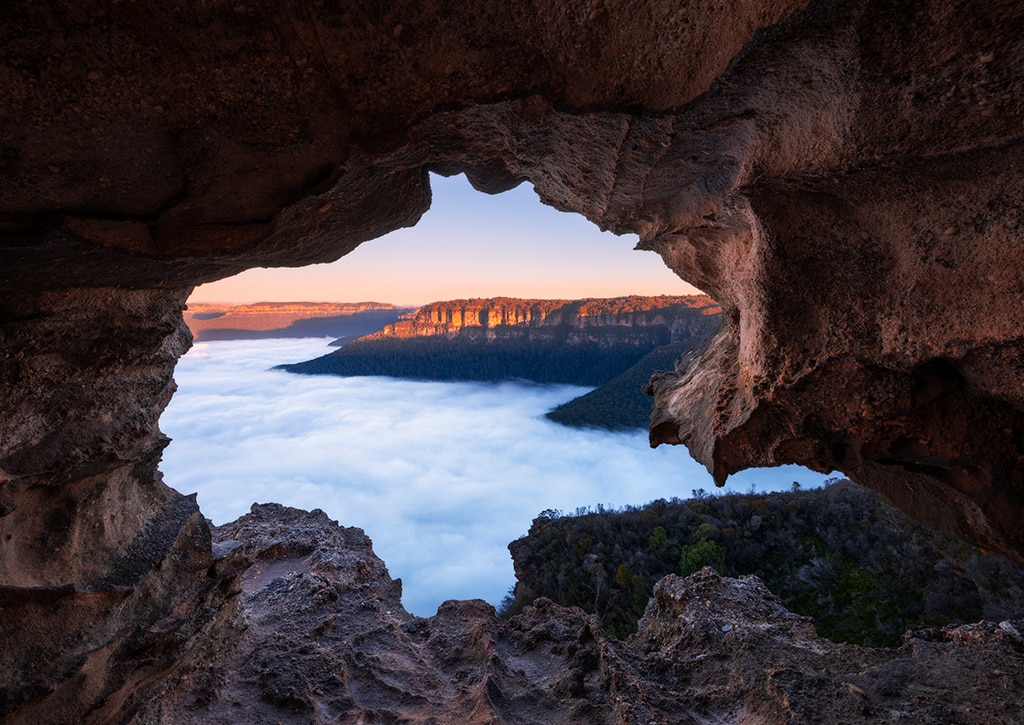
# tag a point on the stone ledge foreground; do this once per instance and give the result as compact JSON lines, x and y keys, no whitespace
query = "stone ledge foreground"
{"x":317,"y":633}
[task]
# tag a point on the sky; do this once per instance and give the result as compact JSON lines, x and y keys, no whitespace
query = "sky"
{"x":441,"y":476}
{"x":469,"y":244}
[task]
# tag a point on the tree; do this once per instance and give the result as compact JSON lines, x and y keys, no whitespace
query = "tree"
{"x":697,"y":556}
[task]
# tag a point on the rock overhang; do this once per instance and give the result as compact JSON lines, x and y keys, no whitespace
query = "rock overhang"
{"x":845,"y":186}
{"x":844,"y":178}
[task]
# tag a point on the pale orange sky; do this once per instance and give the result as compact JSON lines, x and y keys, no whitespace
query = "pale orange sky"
{"x":469,"y":244}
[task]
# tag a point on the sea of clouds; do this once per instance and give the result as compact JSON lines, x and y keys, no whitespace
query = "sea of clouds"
{"x":441,"y":476}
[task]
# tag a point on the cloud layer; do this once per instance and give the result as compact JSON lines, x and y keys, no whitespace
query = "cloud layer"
{"x":440,"y":475}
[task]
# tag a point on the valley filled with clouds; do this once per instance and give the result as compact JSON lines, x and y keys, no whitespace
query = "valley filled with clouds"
{"x":441,"y":476}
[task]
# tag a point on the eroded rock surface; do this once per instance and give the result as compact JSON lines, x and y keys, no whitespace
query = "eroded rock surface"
{"x":843,"y":178}
{"x":318,"y":634}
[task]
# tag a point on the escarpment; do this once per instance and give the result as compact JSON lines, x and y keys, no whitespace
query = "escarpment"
{"x":580,"y":342}
{"x":646,"y":319}
{"x":211,"y":321}
{"x":844,"y":179}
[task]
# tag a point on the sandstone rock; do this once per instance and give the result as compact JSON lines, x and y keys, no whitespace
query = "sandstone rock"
{"x":319,"y":634}
{"x":646,"y":321}
{"x":757,"y":178}
{"x":843,"y":178}
{"x":575,"y":342}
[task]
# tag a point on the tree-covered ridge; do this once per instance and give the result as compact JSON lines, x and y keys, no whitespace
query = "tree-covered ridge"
{"x":596,"y":306}
{"x":621,"y":403}
{"x":581,"y":342}
{"x":840,"y":554}
{"x":438,"y":358}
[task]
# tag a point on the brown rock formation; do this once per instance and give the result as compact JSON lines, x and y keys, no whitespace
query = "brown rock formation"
{"x":844,"y":178}
{"x":104,"y":570}
{"x":318,"y":634}
{"x":647,"y":321}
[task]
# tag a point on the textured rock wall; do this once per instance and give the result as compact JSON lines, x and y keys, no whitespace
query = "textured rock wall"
{"x":104,"y":570}
{"x":843,"y":177}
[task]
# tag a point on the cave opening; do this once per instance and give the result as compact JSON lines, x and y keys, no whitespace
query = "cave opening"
{"x":469,"y":244}
{"x":844,"y":178}
{"x":440,"y":475}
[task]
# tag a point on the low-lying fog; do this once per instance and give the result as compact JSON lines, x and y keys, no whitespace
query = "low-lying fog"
{"x":440,"y":475}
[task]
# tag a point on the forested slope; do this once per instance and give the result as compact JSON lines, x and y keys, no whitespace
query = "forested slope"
{"x":621,"y":403}
{"x":840,"y":554}
{"x":441,"y":358}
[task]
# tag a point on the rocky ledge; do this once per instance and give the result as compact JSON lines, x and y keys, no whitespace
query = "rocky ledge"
{"x":316,"y":632}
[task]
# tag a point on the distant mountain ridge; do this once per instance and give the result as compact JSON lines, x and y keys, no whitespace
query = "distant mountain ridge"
{"x":646,"y":321}
{"x":580,"y":342}
{"x":346,"y":320}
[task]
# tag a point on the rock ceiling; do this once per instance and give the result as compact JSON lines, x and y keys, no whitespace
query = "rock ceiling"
{"x":845,"y":178}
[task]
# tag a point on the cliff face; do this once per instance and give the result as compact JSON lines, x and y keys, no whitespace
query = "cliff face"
{"x":287,"y":319}
{"x":635,"y":320}
{"x":581,"y":342}
{"x":845,"y":179}
{"x":104,"y":570}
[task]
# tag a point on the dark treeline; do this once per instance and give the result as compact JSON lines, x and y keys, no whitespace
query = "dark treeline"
{"x":439,"y":358}
{"x":621,"y":403}
{"x":841,"y":555}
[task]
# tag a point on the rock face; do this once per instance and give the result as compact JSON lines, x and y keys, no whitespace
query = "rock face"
{"x":104,"y":571}
{"x":317,"y":633}
{"x":642,"y":321}
{"x":843,"y":178}
{"x":574,"y":342}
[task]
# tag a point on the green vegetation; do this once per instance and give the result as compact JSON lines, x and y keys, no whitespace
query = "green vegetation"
{"x":841,"y":555}
{"x":440,"y":358}
{"x":621,"y":403}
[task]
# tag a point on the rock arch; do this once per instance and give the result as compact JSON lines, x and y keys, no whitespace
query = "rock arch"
{"x":845,"y":178}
